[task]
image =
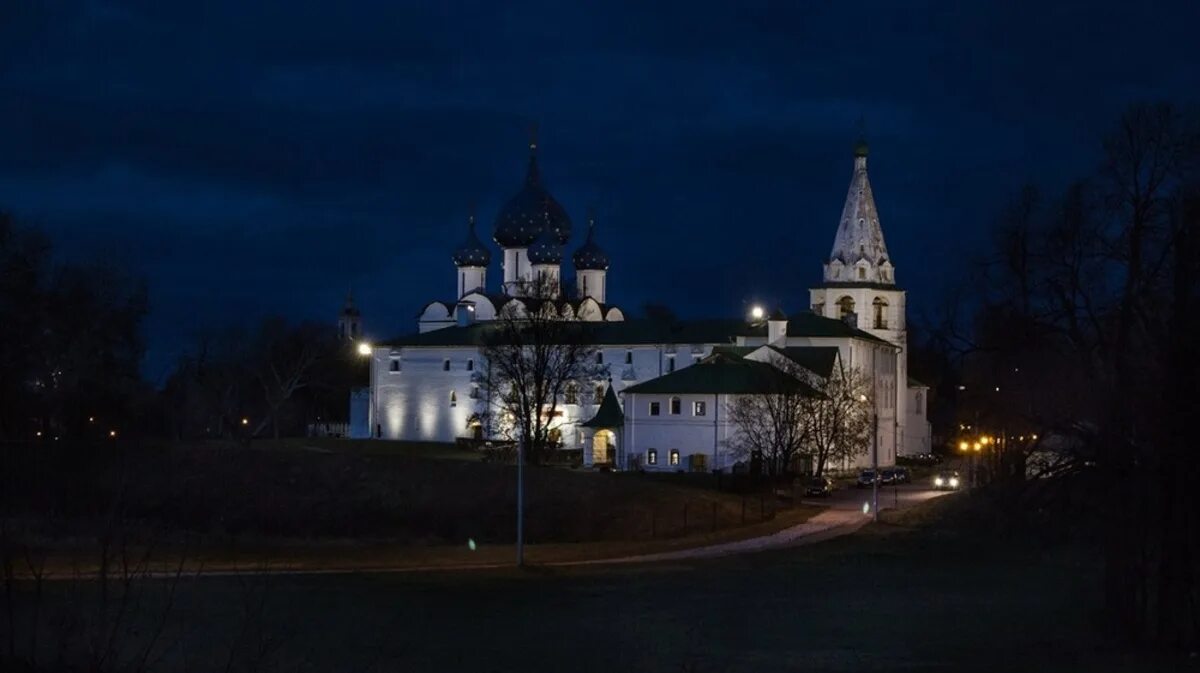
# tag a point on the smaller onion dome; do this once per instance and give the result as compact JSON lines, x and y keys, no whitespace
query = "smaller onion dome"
{"x":472,"y":251}
{"x":546,"y":249}
{"x":589,"y":256}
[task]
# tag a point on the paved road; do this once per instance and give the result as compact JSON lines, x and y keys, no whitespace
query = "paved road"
{"x":844,"y":515}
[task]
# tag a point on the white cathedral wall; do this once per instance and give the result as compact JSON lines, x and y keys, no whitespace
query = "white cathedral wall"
{"x":414,"y":403}
{"x":708,"y":435}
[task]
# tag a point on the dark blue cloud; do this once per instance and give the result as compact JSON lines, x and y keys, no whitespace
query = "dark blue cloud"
{"x":256,"y":157}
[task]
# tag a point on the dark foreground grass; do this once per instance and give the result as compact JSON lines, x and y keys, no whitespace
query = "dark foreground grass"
{"x":217,"y":496}
{"x":918,"y":597}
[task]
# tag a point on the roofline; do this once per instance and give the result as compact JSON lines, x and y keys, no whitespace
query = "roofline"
{"x":856,"y":285}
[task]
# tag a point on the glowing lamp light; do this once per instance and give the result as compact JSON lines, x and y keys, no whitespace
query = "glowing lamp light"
{"x":39,"y":433}
{"x":112,"y":433}
{"x":245,"y":421}
{"x":91,"y":419}
{"x":1034,"y":436}
{"x":364,"y":348}
{"x":977,"y":445}
{"x":963,"y":446}
{"x":757,"y":313}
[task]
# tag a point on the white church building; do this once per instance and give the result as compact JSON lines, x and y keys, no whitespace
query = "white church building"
{"x":660,"y":403}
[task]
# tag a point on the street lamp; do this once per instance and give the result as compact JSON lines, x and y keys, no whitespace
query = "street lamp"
{"x":364,"y":348}
{"x":757,"y":312}
{"x":874,"y":460}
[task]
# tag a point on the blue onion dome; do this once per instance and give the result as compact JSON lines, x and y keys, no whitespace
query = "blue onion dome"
{"x":589,"y":256}
{"x":545,"y":250}
{"x":472,"y":251}
{"x":533,"y":209}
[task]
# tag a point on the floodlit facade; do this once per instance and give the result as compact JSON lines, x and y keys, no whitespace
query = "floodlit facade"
{"x":429,"y":385}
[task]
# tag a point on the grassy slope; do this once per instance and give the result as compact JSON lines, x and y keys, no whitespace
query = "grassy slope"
{"x":414,"y":494}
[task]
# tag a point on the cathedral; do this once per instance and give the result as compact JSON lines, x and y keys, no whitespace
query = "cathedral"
{"x":661,"y":402}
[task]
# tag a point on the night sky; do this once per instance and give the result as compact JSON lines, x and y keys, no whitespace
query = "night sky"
{"x":251,"y":160}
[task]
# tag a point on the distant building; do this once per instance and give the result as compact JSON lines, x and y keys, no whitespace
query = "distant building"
{"x":426,"y":386}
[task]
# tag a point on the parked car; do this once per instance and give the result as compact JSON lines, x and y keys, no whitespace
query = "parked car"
{"x":947,"y":481}
{"x":866,"y":478}
{"x":887,"y":476}
{"x":903,"y":476}
{"x":819,"y":486}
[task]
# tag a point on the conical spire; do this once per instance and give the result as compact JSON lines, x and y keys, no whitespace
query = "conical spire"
{"x":859,"y":235}
{"x":349,"y":308}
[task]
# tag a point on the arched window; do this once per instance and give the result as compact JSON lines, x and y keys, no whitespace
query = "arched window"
{"x":880,"y":305}
{"x":628,"y":357}
{"x":845,"y":306}
{"x":471,"y":365}
{"x":862,"y":273}
{"x":395,"y":366}
{"x":453,"y":399}
{"x":572,"y":393}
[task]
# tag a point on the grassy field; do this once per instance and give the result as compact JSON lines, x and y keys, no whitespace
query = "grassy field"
{"x":332,"y":491}
{"x":923,"y":593}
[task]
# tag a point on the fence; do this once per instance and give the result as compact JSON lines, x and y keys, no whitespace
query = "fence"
{"x":681,"y":520}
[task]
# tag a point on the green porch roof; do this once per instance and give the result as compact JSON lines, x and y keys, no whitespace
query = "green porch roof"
{"x":609,"y":415}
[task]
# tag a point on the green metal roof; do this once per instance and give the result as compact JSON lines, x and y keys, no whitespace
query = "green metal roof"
{"x":633,"y":332}
{"x":609,"y":415}
{"x":724,"y":374}
{"x":816,"y":359}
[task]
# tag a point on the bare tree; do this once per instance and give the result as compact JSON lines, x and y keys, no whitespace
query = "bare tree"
{"x":285,"y":361}
{"x":773,"y":424}
{"x":837,"y":423}
{"x":531,"y":353}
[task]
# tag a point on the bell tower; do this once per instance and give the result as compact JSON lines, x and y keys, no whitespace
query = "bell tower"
{"x":859,"y":287}
{"x":349,"y":321}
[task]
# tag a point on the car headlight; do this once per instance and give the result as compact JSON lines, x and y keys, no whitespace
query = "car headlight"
{"x":938,"y":481}
{"x":953,"y":482}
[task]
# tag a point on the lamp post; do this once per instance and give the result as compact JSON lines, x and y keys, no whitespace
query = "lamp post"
{"x":874,"y":460}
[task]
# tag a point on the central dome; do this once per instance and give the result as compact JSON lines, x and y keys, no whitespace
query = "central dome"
{"x":530,"y":212}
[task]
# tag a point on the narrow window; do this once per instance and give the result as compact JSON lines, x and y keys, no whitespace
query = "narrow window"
{"x":699,"y":408}
{"x":862,"y":273}
{"x":652,"y":456}
{"x":599,"y":357}
{"x":845,"y":307}
{"x":572,"y":394}
{"x":654,"y":408}
{"x":670,"y":363}
{"x":880,"y":305}
{"x":445,"y":365}
{"x":395,"y":367}
{"x":675,"y":406}
{"x":599,"y":393}
{"x":471,"y":365}
{"x":453,"y":399}
{"x":628,"y":357}
{"x":674,"y":459}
